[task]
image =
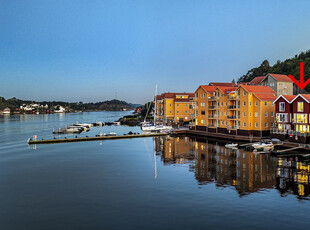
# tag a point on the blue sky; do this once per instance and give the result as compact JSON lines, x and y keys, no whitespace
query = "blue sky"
{"x":82,"y":50}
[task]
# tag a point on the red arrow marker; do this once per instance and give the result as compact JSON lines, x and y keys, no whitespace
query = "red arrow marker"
{"x":300,"y":84}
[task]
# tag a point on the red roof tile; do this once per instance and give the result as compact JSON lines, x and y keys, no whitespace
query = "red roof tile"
{"x":209,"y":88}
{"x":307,"y":96}
{"x":226,"y":89}
{"x":280,"y":77}
{"x":227,"y":84}
{"x":265,"y":96}
{"x":257,"y":80}
{"x":258,"y":89}
{"x":289,"y":97}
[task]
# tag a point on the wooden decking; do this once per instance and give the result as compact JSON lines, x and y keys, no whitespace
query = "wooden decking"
{"x":79,"y":139}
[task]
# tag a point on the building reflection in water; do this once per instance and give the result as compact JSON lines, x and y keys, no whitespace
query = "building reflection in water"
{"x":293,"y":177}
{"x":243,"y":170}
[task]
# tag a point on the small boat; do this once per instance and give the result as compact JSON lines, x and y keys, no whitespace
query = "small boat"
{"x":266,"y":146}
{"x":232,"y":145}
{"x":112,"y":134}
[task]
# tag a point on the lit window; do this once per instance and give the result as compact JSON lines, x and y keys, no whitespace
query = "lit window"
{"x":300,"y":107}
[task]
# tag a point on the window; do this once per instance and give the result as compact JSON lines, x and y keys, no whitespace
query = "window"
{"x":238,"y":104}
{"x":244,"y":124}
{"x":256,"y":114}
{"x":203,"y":112}
{"x":177,"y":105}
{"x":238,"y":93}
{"x":202,"y":104}
{"x":243,"y":93}
{"x":266,"y":103}
{"x":196,"y":95}
{"x":225,"y":113}
{"x":250,"y":124}
{"x":170,"y":111}
{"x":266,"y":125}
{"x":185,"y":105}
{"x":300,"y":107}
{"x":185,"y":111}
{"x":222,"y":113}
{"x":221,"y":103}
{"x":256,"y":124}
{"x":271,"y":114}
{"x":281,"y":107}
{"x":177,"y":111}
{"x":170,"y":105}
{"x":244,"y":114}
{"x":202,"y":121}
{"x":266,"y":114}
{"x":222,"y":122}
{"x":244,"y":103}
{"x":272,"y":104}
{"x":250,"y":103}
{"x":225,"y":103}
{"x":250,"y":114}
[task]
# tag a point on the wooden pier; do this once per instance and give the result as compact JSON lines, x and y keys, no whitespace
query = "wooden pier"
{"x":79,"y":139}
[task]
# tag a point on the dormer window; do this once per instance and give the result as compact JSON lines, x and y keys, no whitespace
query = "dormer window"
{"x":300,"y":106}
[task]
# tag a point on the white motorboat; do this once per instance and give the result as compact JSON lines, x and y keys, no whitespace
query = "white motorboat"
{"x":263,"y":145}
{"x":232,"y":145}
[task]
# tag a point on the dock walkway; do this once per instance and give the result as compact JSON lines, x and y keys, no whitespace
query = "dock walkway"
{"x":79,"y":139}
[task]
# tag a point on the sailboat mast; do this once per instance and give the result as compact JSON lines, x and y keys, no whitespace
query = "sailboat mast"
{"x":155,"y":104}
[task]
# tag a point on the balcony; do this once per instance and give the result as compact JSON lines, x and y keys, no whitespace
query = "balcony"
{"x":300,"y":121}
{"x":212,"y":98}
{"x":212,"y":107}
{"x":231,"y":97}
{"x":212,"y":116}
{"x":211,"y":125}
{"x":231,"y":107}
{"x":231,"y":117}
{"x":234,"y":127}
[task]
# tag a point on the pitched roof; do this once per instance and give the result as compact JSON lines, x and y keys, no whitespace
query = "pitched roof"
{"x":226,"y":89}
{"x":289,"y":98}
{"x":257,"y":89}
{"x":265,"y":96}
{"x":257,"y":80}
{"x":173,"y":95}
{"x":280,"y":77}
{"x":208,"y":88}
{"x":227,"y":84}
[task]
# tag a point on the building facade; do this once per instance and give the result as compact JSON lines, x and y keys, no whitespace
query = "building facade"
{"x":244,"y":110}
{"x":175,"y":107}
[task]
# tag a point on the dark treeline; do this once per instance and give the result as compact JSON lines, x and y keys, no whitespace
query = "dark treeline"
{"x":289,"y":66}
{"x":111,"y":105}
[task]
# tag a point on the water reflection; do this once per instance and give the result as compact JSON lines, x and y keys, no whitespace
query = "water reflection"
{"x":240,"y":169}
{"x":293,"y":177}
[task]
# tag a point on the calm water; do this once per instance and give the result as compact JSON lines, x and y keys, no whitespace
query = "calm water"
{"x":147,"y":183}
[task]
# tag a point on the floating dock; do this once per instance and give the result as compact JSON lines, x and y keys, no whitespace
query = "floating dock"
{"x":79,"y":139}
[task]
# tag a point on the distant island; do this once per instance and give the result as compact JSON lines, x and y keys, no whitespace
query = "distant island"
{"x":18,"y":106}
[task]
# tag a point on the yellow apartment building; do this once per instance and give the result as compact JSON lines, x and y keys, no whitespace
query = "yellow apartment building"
{"x":175,"y":107}
{"x":244,"y":110}
{"x":204,"y":100}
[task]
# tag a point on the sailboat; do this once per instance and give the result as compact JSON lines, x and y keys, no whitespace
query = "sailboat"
{"x":156,"y":128}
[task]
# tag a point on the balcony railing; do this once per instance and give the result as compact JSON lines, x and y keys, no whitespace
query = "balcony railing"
{"x":231,"y":117}
{"x":299,"y":121}
{"x":212,"y":125}
{"x":213,"y":98}
{"x":299,"y":134}
{"x":231,"y":107}
{"x":231,"y":97}
{"x":212,"y":116}
{"x":234,"y":127}
{"x":213,"y":107}
{"x":277,"y":131}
